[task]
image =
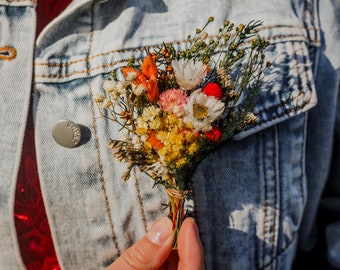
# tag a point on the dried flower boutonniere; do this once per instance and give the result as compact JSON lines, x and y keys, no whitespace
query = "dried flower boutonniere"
{"x":177,"y":106}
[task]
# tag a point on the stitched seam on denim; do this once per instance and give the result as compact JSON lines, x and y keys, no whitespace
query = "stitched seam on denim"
{"x":305,"y":61}
{"x":275,"y":178}
{"x":309,"y":86}
{"x":313,"y":14}
{"x":285,"y":112}
{"x":299,"y":79}
{"x":285,"y":26}
{"x":265,"y":209}
{"x":310,"y":21}
{"x":313,"y":17}
{"x":282,"y":250}
{"x":88,"y":71}
{"x":303,"y":146}
{"x":20,"y":3}
{"x":140,"y":49}
{"x":141,"y":205}
{"x":273,"y":258}
{"x":77,"y":72}
{"x":100,"y":164}
{"x":272,"y":232}
{"x":15,"y":1}
{"x":305,"y":12}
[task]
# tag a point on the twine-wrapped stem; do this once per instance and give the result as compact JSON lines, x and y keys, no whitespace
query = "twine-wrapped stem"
{"x":176,"y":211}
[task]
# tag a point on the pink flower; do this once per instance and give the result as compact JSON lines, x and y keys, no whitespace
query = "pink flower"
{"x":172,"y":100}
{"x":212,"y":90}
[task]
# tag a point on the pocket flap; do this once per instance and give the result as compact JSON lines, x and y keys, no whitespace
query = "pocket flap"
{"x":288,"y":86}
{"x":287,"y":90}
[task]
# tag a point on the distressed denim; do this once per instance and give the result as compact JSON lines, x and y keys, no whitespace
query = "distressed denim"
{"x":255,"y":199}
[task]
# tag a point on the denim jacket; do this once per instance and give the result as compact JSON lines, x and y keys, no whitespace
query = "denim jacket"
{"x":256,"y":199}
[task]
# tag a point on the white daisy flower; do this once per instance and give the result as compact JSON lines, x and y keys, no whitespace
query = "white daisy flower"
{"x":189,"y":74}
{"x":202,"y":110}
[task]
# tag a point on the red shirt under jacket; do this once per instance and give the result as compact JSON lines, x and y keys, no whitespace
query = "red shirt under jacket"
{"x":31,"y":223}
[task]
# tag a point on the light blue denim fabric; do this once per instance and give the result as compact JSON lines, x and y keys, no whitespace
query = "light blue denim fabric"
{"x":254,"y":198}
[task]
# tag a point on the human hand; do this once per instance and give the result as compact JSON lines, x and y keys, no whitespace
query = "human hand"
{"x":154,"y":250}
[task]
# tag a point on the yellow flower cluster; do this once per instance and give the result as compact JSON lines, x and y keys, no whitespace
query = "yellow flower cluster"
{"x":179,"y":142}
{"x":149,"y":120}
{"x":176,"y":140}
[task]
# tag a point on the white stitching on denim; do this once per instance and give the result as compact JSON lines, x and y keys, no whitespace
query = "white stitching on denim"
{"x":17,"y":1}
{"x":33,"y":1}
{"x":265,"y":208}
{"x":276,"y":37}
{"x":275,"y":202}
{"x":56,"y":76}
{"x":100,"y":164}
{"x":140,"y":200}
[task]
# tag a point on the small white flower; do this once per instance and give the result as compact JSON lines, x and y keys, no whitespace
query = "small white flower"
{"x":138,"y":141}
{"x":138,"y":90}
{"x":155,"y":124}
{"x":189,"y":74}
{"x":107,"y":103}
{"x":109,"y":85}
{"x":150,"y":113}
{"x":114,"y":95}
{"x":202,"y":110}
{"x":98,"y":98}
{"x":158,"y":169}
{"x":121,"y":87}
{"x":131,"y":76}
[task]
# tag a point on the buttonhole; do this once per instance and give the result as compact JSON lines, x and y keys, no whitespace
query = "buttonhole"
{"x":7,"y":53}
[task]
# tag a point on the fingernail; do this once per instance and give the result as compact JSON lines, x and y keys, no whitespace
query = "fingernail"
{"x":160,"y":231}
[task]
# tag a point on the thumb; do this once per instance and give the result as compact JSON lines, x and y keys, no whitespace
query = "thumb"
{"x":190,"y":249}
{"x":151,"y":251}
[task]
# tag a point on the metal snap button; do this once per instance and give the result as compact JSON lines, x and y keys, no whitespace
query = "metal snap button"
{"x":66,"y":133}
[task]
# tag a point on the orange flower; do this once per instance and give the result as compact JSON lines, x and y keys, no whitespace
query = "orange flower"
{"x":149,"y":70}
{"x":149,"y":67}
{"x":148,"y":77}
{"x":140,"y":78}
{"x":153,"y":91}
{"x":152,"y":139}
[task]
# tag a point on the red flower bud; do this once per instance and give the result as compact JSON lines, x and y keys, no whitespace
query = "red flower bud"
{"x":213,"y":90}
{"x":215,"y":134}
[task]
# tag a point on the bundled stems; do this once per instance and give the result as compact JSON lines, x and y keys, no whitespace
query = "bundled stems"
{"x":177,"y":215}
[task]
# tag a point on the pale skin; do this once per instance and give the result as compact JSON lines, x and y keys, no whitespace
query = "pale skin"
{"x":154,"y":250}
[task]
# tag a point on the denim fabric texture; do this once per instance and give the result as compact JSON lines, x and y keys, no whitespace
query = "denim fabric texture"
{"x":255,"y":199}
